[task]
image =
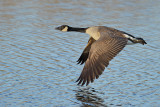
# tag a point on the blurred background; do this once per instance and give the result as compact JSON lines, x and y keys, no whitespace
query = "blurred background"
{"x":38,"y":64}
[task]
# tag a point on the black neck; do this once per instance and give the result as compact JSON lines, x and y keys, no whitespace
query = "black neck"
{"x":82,"y":30}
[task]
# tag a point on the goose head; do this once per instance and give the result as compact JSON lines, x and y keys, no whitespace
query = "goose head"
{"x":63,"y":28}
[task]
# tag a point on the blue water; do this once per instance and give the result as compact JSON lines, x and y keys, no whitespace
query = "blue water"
{"x":38,"y":64}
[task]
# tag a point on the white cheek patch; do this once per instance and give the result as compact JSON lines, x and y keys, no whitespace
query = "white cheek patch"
{"x":65,"y":29}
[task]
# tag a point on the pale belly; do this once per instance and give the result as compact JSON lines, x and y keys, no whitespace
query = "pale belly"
{"x":93,"y":32}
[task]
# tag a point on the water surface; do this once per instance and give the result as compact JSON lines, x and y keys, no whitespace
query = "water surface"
{"x":38,"y":64}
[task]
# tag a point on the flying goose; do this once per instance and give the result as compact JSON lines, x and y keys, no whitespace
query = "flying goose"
{"x":103,"y":45}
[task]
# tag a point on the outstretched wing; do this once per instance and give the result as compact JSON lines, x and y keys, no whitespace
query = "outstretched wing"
{"x":101,"y":52}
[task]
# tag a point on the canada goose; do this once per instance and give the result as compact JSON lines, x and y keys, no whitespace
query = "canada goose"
{"x":104,"y":44}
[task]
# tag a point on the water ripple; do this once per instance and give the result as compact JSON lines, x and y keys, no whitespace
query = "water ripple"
{"x":38,"y":64}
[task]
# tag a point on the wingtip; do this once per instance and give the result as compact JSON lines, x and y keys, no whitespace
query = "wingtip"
{"x":80,"y":62}
{"x":80,"y":82}
{"x":77,"y":62}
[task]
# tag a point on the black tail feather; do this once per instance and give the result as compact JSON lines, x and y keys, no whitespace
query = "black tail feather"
{"x":140,"y":40}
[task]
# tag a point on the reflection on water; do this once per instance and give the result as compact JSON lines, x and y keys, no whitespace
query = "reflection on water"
{"x":88,"y":97}
{"x":38,"y":64}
